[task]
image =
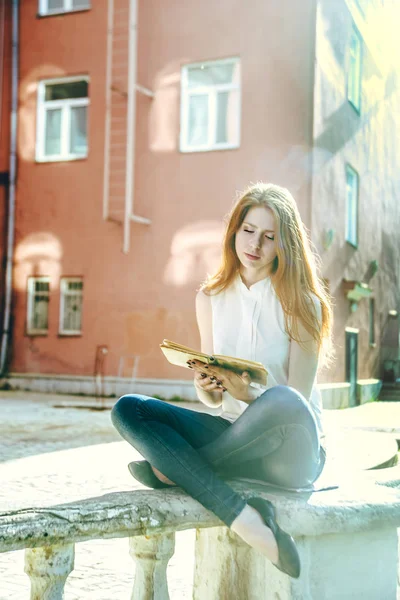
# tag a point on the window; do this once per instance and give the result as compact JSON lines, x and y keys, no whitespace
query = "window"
{"x":62,"y":119}
{"x":210,"y":106}
{"x":38,"y":305}
{"x":71,"y":306}
{"x":354,"y":73}
{"x":54,"y":7}
{"x":371,"y":322}
{"x":352,"y":186}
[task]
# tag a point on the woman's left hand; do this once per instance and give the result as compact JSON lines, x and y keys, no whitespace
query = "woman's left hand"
{"x":238,"y":386}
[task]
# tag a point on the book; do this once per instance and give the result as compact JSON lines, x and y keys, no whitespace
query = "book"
{"x":178,"y":355}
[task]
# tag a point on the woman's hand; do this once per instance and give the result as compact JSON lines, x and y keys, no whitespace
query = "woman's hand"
{"x":217,"y":379}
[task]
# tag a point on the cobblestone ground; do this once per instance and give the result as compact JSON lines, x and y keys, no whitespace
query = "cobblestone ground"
{"x":52,"y":455}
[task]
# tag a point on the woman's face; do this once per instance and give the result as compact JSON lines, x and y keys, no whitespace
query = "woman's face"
{"x":255,"y":241}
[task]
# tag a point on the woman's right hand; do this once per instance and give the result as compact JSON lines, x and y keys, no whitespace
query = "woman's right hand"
{"x":208,"y":383}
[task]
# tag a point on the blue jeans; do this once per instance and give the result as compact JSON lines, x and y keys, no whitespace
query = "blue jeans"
{"x":275,"y":440}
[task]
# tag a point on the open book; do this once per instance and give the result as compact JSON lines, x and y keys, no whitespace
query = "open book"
{"x":177,"y":354}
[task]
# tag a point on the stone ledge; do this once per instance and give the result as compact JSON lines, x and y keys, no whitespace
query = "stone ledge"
{"x":85,"y":385}
{"x":334,"y":395}
{"x":347,"y":509}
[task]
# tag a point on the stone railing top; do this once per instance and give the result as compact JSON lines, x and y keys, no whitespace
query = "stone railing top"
{"x":349,"y":508}
{"x":333,"y":386}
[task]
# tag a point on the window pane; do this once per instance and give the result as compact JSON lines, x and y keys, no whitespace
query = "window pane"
{"x":40,"y":312}
{"x":41,"y":286}
{"x":211,"y":74}
{"x":81,"y":3}
{"x":78,"y":130}
{"x":222,"y":114}
{"x":55,"y":4}
{"x":72,"y":313}
{"x":371,"y":321}
{"x":227,"y":117}
{"x":64,"y":91}
{"x":75,"y":285}
{"x":354,"y":82}
{"x":354,"y":75}
{"x":52,"y":141}
{"x":353,"y":228}
{"x":352,"y":197}
{"x":198,"y":120}
{"x":354,"y":44}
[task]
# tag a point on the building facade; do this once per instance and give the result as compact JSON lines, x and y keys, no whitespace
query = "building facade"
{"x":355,"y":189}
{"x":138,"y":122}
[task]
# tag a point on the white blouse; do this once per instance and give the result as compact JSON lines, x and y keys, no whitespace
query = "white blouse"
{"x":250,"y":324}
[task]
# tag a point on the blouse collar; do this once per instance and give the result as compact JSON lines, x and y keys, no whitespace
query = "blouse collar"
{"x":256,"y":289}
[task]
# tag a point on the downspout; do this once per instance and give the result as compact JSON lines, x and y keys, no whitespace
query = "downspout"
{"x":11,"y":196}
{"x":2,"y":25}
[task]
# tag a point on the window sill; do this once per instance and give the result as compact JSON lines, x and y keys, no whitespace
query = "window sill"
{"x":60,"y":159}
{"x":373,"y":345}
{"x":354,"y":107}
{"x":62,"y":13}
{"x":352,"y":245}
{"x":209,"y":149}
{"x":37,"y":333}
{"x":69,"y":334}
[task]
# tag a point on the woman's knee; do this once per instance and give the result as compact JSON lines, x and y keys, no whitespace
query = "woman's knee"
{"x":288,"y":396}
{"x":282,"y":394}
{"x":287,"y":404}
{"x":124,"y":407}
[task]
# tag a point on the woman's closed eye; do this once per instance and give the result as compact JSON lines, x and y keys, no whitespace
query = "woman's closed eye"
{"x":267,"y":236}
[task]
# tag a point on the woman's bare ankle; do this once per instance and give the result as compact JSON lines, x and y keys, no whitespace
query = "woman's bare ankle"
{"x":250,"y":526}
{"x":162,"y":477}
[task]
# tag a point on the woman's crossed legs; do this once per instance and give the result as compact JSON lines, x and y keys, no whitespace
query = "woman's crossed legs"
{"x":275,"y":440}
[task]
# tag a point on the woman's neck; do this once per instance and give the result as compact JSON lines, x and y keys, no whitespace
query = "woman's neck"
{"x":250,"y":278}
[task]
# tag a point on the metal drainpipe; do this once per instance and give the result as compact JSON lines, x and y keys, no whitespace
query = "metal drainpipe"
{"x":11,"y":195}
{"x":2,"y":25}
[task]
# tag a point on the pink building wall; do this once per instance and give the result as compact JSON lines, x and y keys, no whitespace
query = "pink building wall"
{"x":131,"y":302}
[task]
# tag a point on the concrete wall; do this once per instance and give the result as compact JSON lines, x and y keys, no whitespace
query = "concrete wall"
{"x":131,"y":302}
{"x":367,"y":141}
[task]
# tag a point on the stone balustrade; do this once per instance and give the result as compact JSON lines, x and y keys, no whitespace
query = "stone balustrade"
{"x":347,"y":539}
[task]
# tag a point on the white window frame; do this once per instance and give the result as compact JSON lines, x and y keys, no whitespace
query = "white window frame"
{"x":64,"y":291}
{"x":352,"y":200}
{"x":68,"y":7}
{"x":65,"y":105}
{"x":354,"y":75}
{"x":31,"y":302}
{"x":212,"y":106}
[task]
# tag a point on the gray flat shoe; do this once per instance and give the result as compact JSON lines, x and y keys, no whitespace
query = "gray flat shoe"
{"x":289,"y":560}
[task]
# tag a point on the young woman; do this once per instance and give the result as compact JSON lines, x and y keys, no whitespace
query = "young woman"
{"x":265,"y":303}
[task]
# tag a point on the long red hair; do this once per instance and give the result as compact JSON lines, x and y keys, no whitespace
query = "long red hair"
{"x":295,"y":268}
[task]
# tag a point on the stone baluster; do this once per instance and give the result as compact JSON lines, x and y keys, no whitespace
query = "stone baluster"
{"x":48,"y":568}
{"x":151,"y":554}
{"x":226,"y":568}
